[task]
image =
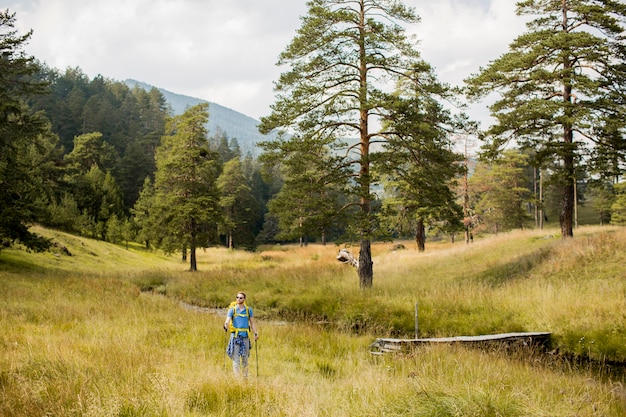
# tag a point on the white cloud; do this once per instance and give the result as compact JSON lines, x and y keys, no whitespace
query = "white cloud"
{"x":225,"y":51}
{"x":458,"y":36}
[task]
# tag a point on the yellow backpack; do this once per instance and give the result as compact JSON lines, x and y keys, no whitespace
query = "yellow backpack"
{"x":246,"y":313}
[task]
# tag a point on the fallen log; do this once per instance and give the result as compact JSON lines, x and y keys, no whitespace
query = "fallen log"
{"x":346,"y":257}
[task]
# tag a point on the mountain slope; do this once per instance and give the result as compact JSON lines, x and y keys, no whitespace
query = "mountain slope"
{"x":234,"y":124}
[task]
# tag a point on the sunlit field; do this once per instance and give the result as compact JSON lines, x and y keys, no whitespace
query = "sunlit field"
{"x":111,"y":331}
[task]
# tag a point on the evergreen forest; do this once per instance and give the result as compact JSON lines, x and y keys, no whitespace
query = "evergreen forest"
{"x":98,"y":158}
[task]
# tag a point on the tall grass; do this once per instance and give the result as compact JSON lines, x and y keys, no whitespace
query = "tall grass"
{"x":520,"y":281}
{"x":78,"y":337}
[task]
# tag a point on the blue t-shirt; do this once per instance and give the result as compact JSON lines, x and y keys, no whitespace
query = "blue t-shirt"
{"x":240,"y":320}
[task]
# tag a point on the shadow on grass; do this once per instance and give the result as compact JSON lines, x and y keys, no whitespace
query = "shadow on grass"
{"x":498,"y":275}
{"x":16,"y":264}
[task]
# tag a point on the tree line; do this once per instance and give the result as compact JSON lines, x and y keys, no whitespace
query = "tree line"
{"x":370,"y":143}
{"x":82,"y":155}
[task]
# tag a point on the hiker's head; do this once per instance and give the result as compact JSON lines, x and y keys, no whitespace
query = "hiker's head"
{"x":241,"y":297}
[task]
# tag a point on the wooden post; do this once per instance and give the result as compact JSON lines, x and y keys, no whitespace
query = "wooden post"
{"x":416,"y":321}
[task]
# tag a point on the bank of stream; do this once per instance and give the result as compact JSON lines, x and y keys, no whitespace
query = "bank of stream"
{"x":543,"y":355}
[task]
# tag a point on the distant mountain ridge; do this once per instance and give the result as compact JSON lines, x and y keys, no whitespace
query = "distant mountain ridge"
{"x":233,"y":123}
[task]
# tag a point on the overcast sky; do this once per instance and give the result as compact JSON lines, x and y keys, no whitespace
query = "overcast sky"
{"x":225,"y":51}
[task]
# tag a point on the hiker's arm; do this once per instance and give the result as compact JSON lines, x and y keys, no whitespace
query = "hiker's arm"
{"x":253,"y":327}
{"x":228,"y":319}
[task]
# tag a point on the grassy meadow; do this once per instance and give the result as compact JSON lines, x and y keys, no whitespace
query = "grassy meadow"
{"x":111,"y":331}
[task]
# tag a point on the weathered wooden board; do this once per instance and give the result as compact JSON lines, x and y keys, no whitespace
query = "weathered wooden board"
{"x":388,"y":345}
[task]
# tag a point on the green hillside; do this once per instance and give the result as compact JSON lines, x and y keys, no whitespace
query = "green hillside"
{"x":221,"y":119}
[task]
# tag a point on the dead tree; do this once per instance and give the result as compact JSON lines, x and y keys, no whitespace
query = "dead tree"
{"x":346,"y":257}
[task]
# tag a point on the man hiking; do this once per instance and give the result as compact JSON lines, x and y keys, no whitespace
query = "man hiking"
{"x":239,"y":321}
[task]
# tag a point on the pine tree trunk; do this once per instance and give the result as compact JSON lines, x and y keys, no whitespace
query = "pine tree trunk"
{"x":420,"y":236}
{"x":193,"y":266}
{"x":566,"y":215}
{"x":366,"y":270}
{"x":567,"y":204}
{"x":542,"y":213}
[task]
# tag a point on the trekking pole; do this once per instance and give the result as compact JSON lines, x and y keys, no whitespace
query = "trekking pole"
{"x":224,"y":348}
{"x":256,"y":348}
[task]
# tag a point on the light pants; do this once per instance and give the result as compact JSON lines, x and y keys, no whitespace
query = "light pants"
{"x":240,"y":358}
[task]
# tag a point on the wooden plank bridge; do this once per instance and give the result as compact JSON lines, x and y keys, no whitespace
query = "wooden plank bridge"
{"x":382,"y":345}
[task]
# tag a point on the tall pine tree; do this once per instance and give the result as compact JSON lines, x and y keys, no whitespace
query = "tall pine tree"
{"x":562,"y":87}
{"x":340,"y":62}
{"x":311,"y":198}
{"x":240,"y":211}
{"x":186,"y":193}
{"x":417,"y":156}
{"x":20,"y":129}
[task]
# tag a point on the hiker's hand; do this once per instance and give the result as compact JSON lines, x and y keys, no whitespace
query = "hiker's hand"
{"x":256,"y":337}
{"x":225,"y":327}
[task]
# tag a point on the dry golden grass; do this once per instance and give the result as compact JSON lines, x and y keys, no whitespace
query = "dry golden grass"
{"x":78,"y":338}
